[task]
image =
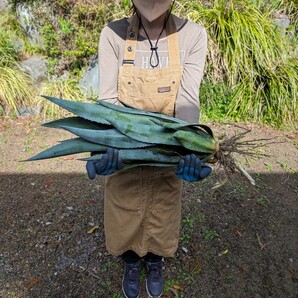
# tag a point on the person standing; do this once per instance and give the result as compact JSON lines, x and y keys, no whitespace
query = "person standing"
{"x":152,"y":61}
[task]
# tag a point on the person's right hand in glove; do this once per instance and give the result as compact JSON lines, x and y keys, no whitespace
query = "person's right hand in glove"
{"x":108,"y":164}
{"x":192,"y":169}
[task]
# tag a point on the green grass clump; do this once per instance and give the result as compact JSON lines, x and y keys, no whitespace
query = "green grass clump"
{"x":249,"y":55}
{"x":67,"y":88}
{"x":269,"y":96}
{"x":15,"y":88}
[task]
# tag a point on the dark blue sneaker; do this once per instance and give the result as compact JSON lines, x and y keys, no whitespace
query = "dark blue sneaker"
{"x":154,"y":281}
{"x":131,"y":279}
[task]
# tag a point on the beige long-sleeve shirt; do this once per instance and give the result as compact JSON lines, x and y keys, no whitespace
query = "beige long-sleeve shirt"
{"x":193,"y":46}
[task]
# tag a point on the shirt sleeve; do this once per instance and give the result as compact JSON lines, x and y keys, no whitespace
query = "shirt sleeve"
{"x":108,"y":56}
{"x":187,"y":103}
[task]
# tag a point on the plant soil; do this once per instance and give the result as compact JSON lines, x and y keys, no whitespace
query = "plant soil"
{"x":237,"y":240}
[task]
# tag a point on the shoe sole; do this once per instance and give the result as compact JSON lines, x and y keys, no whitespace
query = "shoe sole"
{"x":150,"y":294}
{"x":124,"y":291}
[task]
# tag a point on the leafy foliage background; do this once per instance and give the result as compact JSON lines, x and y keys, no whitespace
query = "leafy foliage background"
{"x":251,"y":70}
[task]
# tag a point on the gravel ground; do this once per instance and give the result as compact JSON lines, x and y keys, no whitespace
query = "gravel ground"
{"x":238,"y":240}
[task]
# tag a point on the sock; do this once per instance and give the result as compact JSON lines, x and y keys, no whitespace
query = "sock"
{"x":151,"y":257}
{"x":130,"y":257}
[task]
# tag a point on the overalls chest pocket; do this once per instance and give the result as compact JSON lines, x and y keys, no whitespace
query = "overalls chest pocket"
{"x":151,"y":90}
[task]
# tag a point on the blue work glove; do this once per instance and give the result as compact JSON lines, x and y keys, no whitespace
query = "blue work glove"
{"x":191,"y":169}
{"x":108,"y":164}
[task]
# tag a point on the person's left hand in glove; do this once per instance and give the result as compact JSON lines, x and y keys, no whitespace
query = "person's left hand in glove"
{"x":192,"y":169}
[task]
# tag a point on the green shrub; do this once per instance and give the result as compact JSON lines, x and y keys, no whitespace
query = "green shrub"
{"x":249,"y":54}
{"x":8,"y":53}
{"x":215,"y":100}
{"x":251,"y":70}
{"x":69,"y":42}
{"x":9,"y":23}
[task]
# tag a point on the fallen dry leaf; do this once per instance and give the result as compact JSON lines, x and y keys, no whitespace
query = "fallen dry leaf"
{"x":177,"y":287}
{"x":92,"y":230}
{"x":92,"y":202}
{"x":31,"y":282}
{"x":68,"y":157}
{"x":223,"y":253}
{"x":48,"y":182}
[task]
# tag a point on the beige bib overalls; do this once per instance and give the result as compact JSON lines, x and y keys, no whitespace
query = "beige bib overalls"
{"x":142,"y":207}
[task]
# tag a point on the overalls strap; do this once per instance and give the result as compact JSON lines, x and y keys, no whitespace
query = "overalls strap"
{"x":132,"y":36}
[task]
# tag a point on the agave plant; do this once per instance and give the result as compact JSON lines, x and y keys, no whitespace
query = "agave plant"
{"x":142,"y":137}
{"x":139,"y":135}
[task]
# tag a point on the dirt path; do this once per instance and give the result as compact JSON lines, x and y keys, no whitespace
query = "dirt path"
{"x":236,"y":241}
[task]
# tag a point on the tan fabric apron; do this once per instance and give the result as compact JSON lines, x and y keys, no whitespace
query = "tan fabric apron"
{"x":142,"y":208}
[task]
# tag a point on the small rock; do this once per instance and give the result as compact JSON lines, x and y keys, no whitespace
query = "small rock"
{"x":36,"y":67}
{"x":4,"y":5}
{"x":29,"y":111}
{"x":90,"y":81}
{"x":185,"y":249}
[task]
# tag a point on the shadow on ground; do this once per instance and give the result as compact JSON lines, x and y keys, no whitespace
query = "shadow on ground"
{"x":236,"y":241}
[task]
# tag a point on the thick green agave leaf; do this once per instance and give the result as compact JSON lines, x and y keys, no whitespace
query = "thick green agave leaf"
{"x":89,"y":111}
{"x":107,"y":125}
{"x":199,"y":128}
{"x":137,"y":127}
{"x":145,"y":132}
{"x":77,"y":122}
{"x":149,"y":155}
{"x":131,"y":110}
{"x":195,"y":142}
{"x":144,"y":155}
{"x":96,"y":132}
{"x":67,"y":147}
{"x":99,"y":112}
{"x":108,"y":137}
